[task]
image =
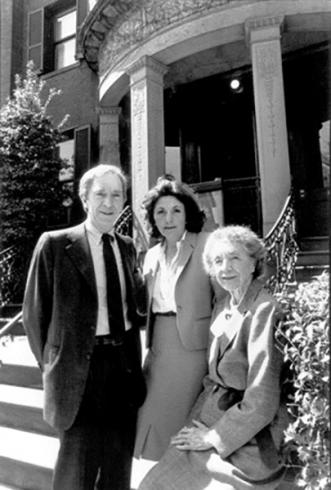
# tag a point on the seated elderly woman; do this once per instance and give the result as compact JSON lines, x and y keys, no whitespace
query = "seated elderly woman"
{"x":232,"y":440}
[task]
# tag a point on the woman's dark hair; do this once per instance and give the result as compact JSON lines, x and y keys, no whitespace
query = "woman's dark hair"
{"x":166,"y":185}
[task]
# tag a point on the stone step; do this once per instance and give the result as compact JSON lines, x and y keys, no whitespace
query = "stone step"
{"x":10,"y":310}
{"x":26,"y":459}
{"x":17,"y":395}
{"x":16,"y":356}
{"x":16,"y":330}
{"x":18,"y":365}
{"x":17,"y":375}
{"x":31,"y":477}
{"x":17,"y":351}
{"x":21,"y":471}
{"x":21,"y":408}
{"x":314,"y":243}
{"x":6,"y":487}
{"x":306,"y":273}
{"x":23,"y":476}
{"x":35,"y":449}
{"x":313,"y":257}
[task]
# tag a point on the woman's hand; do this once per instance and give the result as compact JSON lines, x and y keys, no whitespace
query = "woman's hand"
{"x":192,"y":438}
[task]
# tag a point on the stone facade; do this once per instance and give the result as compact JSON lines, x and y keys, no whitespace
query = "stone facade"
{"x":122,"y":42}
{"x":148,"y":18}
{"x":187,"y":37}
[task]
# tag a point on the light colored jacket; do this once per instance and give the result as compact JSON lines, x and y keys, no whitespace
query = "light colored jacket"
{"x":194,"y":293}
{"x":243,"y":359}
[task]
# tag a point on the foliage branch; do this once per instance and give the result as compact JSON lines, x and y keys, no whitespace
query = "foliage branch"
{"x":31,"y":195}
{"x":304,"y":339}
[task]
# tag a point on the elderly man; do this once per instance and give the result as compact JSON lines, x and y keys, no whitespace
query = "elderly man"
{"x":84,"y":302}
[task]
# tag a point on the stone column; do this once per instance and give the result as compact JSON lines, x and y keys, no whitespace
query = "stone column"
{"x":263,"y":36}
{"x":147,"y":127}
{"x":109,"y":134}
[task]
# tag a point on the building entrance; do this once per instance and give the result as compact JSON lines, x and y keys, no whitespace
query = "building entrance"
{"x":308,"y":96}
{"x":211,"y":121}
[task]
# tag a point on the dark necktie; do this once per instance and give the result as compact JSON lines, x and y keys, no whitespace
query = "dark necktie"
{"x":114,"y":297}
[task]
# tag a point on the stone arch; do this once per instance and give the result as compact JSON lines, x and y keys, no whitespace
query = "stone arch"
{"x":194,"y":31}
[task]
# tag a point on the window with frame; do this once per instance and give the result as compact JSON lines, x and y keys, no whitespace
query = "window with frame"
{"x":66,"y":151}
{"x":52,"y":32}
{"x":75,"y":150}
{"x":64,"y":39}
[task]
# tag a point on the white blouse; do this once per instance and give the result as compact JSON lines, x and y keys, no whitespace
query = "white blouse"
{"x":165,"y":281}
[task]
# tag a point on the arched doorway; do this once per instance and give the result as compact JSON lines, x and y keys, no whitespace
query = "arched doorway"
{"x":211,"y":121}
{"x":308,"y":107}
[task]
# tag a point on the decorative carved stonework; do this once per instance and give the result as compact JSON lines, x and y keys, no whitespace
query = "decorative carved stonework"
{"x":97,"y":24}
{"x":150,"y":63}
{"x":122,"y":24}
{"x":109,"y":110}
{"x":268,"y":70}
{"x":139,"y":169}
{"x":264,"y":36}
{"x":261,"y":22}
{"x":138,"y":99}
{"x":146,"y":19}
{"x":273,"y":158}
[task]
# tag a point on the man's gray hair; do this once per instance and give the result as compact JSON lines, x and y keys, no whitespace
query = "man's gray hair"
{"x":99,"y":170}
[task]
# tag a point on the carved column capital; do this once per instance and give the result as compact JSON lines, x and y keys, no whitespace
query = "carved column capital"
{"x":146,"y":66}
{"x":109,"y":110}
{"x":261,"y":29}
{"x":109,"y":133}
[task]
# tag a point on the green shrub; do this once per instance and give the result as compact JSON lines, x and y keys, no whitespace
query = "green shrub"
{"x":31,"y":195}
{"x":304,"y":336}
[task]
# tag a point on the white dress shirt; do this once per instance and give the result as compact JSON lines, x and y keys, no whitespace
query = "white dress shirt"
{"x":165,"y":281}
{"x":96,"y":246}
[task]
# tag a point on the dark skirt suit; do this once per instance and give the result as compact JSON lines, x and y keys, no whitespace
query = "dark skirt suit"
{"x":240,"y":401}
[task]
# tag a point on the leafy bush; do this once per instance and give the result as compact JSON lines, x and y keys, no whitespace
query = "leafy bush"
{"x":304,"y":336}
{"x":31,"y":197}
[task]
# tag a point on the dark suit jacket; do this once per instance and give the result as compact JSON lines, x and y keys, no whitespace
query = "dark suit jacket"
{"x":60,"y":315}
